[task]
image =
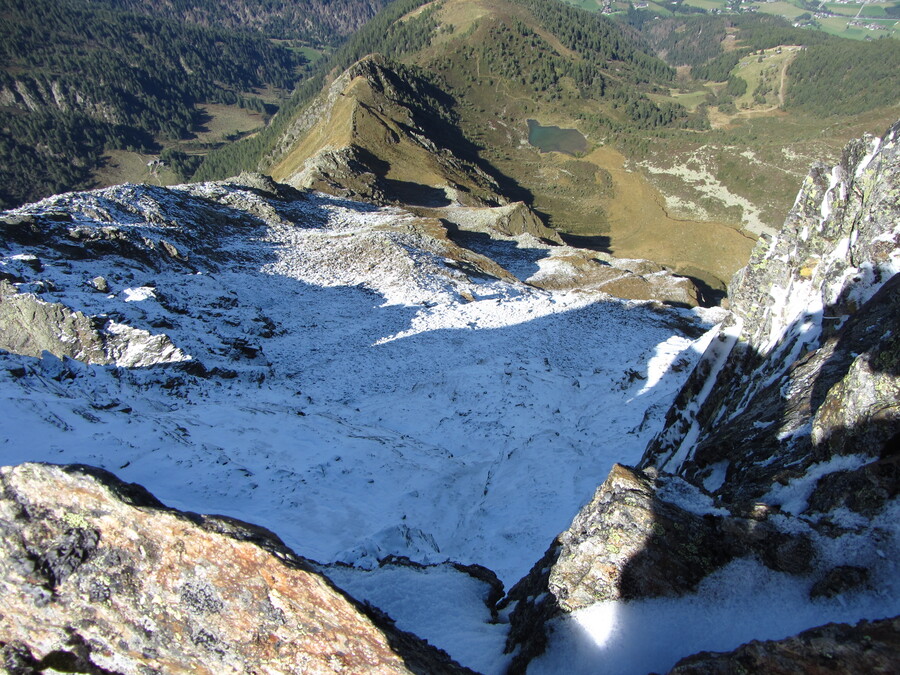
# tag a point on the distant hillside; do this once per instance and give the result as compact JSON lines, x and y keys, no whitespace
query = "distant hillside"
{"x":700,"y":39}
{"x":859,"y":20}
{"x":79,"y":79}
{"x":322,"y":22}
{"x":488,"y":53}
{"x":832,"y":76}
{"x":839,"y":77}
{"x":776,"y":97}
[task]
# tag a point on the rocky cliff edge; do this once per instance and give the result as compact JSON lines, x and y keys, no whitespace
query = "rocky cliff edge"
{"x":781,"y":449}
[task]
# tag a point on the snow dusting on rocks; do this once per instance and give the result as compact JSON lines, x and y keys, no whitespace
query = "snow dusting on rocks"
{"x":347,"y":376}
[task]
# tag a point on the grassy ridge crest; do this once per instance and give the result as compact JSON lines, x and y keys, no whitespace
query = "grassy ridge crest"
{"x":383,"y":34}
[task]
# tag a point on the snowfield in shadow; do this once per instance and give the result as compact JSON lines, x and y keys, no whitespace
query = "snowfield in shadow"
{"x":356,"y":382}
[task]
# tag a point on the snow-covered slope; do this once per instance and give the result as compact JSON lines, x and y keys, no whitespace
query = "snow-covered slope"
{"x":404,"y":410}
{"x":349,"y":377}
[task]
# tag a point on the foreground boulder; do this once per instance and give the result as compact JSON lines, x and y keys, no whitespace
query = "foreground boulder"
{"x":633,"y":540}
{"x":98,"y":576}
{"x":629,"y":542}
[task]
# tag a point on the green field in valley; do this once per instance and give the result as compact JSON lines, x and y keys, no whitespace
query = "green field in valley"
{"x":852,"y":20}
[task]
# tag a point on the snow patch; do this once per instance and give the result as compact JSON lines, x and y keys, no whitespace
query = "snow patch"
{"x":354,"y":362}
{"x":664,"y":356}
{"x":865,"y":161}
{"x":688,"y":497}
{"x":837,"y":174}
{"x":139,"y":294}
{"x":793,"y":495}
{"x":720,"y":343}
{"x":444,"y":606}
{"x":717,"y":474}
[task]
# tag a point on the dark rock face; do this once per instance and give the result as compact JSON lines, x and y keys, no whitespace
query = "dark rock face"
{"x":864,"y":490}
{"x":803,"y":378}
{"x":839,"y":580}
{"x":867,"y":647}
{"x":532,"y":607}
{"x":99,"y":577}
{"x":836,"y":399}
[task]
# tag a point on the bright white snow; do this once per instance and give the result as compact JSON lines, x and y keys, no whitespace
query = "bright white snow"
{"x":439,"y":604}
{"x":386,"y":414}
{"x":138,"y":294}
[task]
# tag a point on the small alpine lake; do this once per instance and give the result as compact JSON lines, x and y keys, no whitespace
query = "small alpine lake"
{"x":556,"y":139}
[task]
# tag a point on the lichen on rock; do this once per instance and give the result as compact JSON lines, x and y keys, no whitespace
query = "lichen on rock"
{"x":97,"y":574}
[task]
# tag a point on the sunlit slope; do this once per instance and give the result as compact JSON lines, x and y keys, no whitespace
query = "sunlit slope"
{"x":378,"y":132}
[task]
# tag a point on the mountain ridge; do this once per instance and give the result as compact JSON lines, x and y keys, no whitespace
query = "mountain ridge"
{"x":389,"y":125}
{"x":648,"y":134}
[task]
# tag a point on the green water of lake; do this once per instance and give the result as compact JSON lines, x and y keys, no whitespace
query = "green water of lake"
{"x":556,"y":139}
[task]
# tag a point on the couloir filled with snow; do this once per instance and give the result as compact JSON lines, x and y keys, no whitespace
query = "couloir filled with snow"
{"x":364,"y":392}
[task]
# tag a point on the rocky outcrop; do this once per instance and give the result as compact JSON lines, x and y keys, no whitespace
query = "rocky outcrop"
{"x":515,"y":233}
{"x":637,"y":539}
{"x":31,"y":326}
{"x":569,"y":267}
{"x":867,"y":647}
{"x":808,"y":369}
{"x":510,"y":220}
{"x":631,"y":542}
{"x":40,"y":94}
{"x":100,"y":577}
{"x":800,"y":387}
{"x":627,"y":543}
